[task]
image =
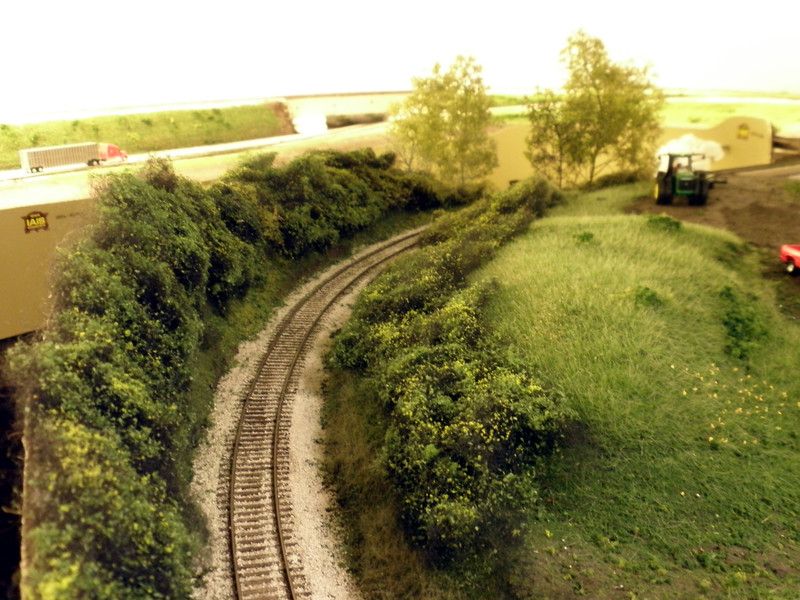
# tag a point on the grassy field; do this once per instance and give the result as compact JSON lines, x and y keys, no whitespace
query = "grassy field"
{"x":783,"y":111}
{"x":143,"y":133}
{"x":679,"y":479}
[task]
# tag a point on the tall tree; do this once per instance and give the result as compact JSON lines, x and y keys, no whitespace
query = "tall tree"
{"x":443,"y":124}
{"x":607,"y":117}
{"x":553,"y":140}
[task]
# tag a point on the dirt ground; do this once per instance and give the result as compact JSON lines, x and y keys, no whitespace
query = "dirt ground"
{"x":755,"y":205}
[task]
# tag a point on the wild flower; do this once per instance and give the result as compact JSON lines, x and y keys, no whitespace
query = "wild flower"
{"x":750,"y":412}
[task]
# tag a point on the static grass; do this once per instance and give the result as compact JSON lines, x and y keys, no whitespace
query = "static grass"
{"x":588,"y":295}
{"x":679,"y":478}
{"x":601,"y":202}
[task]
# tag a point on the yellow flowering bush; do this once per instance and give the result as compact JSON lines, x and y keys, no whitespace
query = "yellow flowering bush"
{"x":466,"y":426}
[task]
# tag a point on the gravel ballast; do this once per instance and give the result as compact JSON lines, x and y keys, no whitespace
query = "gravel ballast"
{"x":314,"y":517}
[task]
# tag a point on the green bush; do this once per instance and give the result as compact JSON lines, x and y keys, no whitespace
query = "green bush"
{"x":318,"y":198}
{"x":246,"y":214}
{"x":465,"y":426}
{"x":102,"y":530}
{"x":744,"y":326}
{"x":109,"y":388}
{"x":664,"y":222}
{"x":499,"y":217}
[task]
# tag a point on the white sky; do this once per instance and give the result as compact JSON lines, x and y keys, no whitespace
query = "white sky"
{"x":64,"y":55}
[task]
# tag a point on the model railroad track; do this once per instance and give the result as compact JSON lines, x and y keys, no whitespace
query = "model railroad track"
{"x":265,"y":565}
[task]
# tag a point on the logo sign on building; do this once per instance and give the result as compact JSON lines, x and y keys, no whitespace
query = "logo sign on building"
{"x":35,"y":221}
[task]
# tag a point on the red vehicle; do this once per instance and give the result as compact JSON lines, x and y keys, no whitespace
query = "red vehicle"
{"x":791,"y":256}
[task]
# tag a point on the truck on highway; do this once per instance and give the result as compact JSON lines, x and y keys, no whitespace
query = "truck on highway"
{"x":89,"y":153}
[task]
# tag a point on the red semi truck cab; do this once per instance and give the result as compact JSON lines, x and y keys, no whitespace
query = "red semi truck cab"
{"x":110,"y":152}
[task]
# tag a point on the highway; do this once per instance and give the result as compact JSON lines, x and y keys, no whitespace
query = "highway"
{"x":18,"y":188}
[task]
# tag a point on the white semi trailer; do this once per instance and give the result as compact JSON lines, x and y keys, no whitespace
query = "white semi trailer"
{"x":90,"y":153}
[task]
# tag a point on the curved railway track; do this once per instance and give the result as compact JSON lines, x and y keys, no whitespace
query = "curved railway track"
{"x":264,"y":562}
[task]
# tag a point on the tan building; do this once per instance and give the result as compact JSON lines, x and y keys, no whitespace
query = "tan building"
{"x":745,"y":141}
{"x":29,"y":235}
{"x":512,"y":164}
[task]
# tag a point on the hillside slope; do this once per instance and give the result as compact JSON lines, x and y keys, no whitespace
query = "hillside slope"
{"x":677,"y":480}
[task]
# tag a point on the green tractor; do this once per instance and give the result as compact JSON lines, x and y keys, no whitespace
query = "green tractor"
{"x":682,"y":180}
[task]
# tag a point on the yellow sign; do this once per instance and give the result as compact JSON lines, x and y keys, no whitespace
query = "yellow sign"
{"x":35,"y":221}
{"x":744,"y":131}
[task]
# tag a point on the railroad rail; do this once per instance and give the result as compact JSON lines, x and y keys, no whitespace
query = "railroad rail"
{"x":264,"y":562}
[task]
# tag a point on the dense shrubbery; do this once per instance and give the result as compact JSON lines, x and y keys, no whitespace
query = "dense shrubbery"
{"x":465,"y":426}
{"x":318,"y":198}
{"x":111,"y":410}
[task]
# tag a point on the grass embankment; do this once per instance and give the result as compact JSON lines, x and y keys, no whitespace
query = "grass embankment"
{"x":680,"y":479}
{"x":149,"y":132}
{"x":678,"y":476}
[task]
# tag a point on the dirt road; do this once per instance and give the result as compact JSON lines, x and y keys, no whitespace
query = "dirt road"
{"x":756,"y":205}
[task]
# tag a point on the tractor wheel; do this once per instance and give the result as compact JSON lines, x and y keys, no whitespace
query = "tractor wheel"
{"x":664,"y":190}
{"x":791,"y":268}
{"x":700,"y":198}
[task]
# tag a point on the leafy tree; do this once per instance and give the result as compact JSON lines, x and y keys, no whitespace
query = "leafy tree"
{"x":553,"y":138}
{"x":607,"y":117}
{"x":443,"y":123}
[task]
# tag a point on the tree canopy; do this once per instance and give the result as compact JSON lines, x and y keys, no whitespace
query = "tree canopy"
{"x":606,"y":120}
{"x":443,"y":123}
